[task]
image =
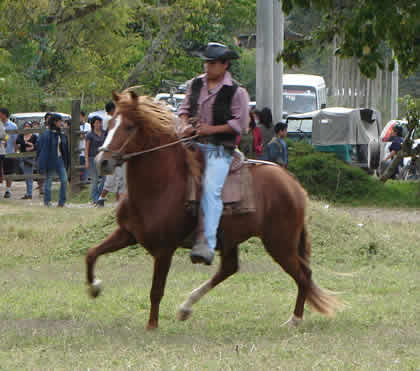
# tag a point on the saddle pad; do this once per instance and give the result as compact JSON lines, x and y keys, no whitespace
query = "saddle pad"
{"x":237,"y":194}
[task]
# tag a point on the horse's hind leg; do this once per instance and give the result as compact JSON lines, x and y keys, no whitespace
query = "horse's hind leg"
{"x":228,"y":266}
{"x":119,"y":239}
{"x":291,"y":256}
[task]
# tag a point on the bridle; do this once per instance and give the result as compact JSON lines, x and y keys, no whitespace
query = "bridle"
{"x":121,"y":157}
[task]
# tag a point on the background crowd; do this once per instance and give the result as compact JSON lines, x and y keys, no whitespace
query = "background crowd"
{"x":52,"y":155}
{"x":262,"y":140}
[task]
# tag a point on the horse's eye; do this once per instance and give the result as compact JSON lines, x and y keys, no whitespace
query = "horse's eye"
{"x":129,"y":127}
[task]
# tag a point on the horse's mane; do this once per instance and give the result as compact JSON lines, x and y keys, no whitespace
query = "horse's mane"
{"x":154,"y":118}
{"x":156,"y":121}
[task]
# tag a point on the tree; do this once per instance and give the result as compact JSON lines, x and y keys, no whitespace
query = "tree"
{"x":367,"y":30}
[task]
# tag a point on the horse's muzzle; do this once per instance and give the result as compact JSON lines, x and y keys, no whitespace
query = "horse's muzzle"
{"x":105,"y":166}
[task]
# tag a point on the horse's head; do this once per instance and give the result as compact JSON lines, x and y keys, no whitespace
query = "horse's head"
{"x":138,"y":124}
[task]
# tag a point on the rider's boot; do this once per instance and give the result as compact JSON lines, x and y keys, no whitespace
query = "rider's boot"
{"x":201,"y":253}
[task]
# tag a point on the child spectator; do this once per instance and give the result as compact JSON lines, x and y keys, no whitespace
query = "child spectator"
{"x":84,"y":130}
{"x":277,"y":148}
{"x":94,"y":140}
{"x":27,"y":143}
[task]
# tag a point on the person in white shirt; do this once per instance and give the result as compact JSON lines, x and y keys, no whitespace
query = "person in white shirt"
{"x":84,"y":129}
{"x":114,"y":183}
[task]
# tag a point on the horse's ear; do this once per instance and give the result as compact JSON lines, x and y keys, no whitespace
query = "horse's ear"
{"x":133,"y":94}
{"x":115,"y":96}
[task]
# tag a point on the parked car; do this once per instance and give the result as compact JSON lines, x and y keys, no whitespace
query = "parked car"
{"x":172,"y":101}
{"x":20,"y":118}
{"x":351,"y":133}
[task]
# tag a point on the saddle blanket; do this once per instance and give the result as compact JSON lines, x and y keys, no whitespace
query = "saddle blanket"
{"x":238,"y":192}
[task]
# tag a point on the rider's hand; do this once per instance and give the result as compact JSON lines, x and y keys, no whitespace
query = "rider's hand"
{"x":205,"y":129}
{"x":188,"y":131}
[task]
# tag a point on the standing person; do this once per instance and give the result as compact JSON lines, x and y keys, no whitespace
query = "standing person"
{"x":277,"y":147}
{"x":115,"y":182}
{"x":94,"y":140}
{"x":9,"y":163}
{"x":250,"y":142}
{"x":27,"y":143}
{"x":3,"y":139}
{"x":37,"y":125}
{"x":264,"y":121}
{"x":220,"y":107}
{"x":110,"y":111}
{"x":53,"y":158}
{"x":84,"y":130}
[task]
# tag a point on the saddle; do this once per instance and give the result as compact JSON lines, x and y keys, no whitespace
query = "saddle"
{"x":237,"y":194}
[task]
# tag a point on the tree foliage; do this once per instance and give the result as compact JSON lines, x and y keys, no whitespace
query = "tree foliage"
{"x":64,"y":49}
{"x":367,"y":30}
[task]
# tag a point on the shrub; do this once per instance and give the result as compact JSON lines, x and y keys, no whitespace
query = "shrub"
{"x":325,"y":176}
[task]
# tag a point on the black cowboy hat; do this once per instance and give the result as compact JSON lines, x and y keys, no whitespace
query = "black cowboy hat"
{"x":217,"y":51}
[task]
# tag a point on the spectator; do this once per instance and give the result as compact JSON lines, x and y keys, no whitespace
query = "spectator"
{"x":396,"y":144}
{"x":94,"y":140}
{"x":46,"y":117}
{"x":84,"y":130}
{"x":3,"y":139}
{"x":9,"y":163}
{"x":110,"y":111}
{"x":277,"y":148}
{"x":53,"y":158}
{"x":27,"y":143}
{"x":264,"y":121}
{"x":37,"y":125}
{"x":250,"y":143}
{"x":116,"y":181}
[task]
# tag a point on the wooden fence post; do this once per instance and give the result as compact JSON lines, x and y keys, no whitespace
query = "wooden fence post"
{"x":74,"y":147}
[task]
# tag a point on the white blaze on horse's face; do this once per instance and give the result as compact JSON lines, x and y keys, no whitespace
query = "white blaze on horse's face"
{"x":111,"y":133}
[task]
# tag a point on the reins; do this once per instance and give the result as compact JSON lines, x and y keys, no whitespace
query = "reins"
{"x":124,"y":157}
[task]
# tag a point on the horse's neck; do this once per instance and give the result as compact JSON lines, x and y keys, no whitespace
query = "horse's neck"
{"x":153,"y":173}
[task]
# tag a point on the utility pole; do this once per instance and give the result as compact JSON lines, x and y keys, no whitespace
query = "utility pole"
{"x":270,"y":36}
{"x":278,"y":30}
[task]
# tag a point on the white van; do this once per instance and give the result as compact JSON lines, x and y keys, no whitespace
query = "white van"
{"x":303,"y":93}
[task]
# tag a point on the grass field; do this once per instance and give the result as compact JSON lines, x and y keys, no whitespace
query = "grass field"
{"x":47,"y":322}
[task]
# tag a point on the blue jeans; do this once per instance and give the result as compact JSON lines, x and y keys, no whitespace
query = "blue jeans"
{"x":28,"y":169}
{"x":83,"y":171}
{"x":97,"y":183}
{"x":62,"y":174}
{"x":218,"y":162}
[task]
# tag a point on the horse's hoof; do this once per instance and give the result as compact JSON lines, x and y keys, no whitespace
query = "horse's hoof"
{"x":292,"y":322}
{"x":95,"y":289}
{"x":183,"y":314}
{"x":151,"y":326}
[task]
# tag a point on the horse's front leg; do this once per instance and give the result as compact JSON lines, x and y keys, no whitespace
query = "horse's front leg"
{"x":161,"y":269}
{"x":119,"y":239}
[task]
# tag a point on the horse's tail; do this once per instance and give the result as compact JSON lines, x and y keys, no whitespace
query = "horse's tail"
{"x":320,"y":299}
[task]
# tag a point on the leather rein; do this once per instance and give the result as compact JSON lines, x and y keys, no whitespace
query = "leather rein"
{"x":119,"y":156}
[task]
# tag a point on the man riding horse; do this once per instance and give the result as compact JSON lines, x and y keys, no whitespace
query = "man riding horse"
{"x":219,"y":106}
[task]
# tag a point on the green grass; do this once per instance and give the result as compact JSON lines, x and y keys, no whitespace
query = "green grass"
{"x":393,"y":193}
{"x":48,"y":322}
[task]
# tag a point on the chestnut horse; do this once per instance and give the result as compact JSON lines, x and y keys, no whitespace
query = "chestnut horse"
{"x":154,"y":214}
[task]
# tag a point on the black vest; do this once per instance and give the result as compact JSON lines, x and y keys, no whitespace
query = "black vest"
{"x":222,"y":108}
